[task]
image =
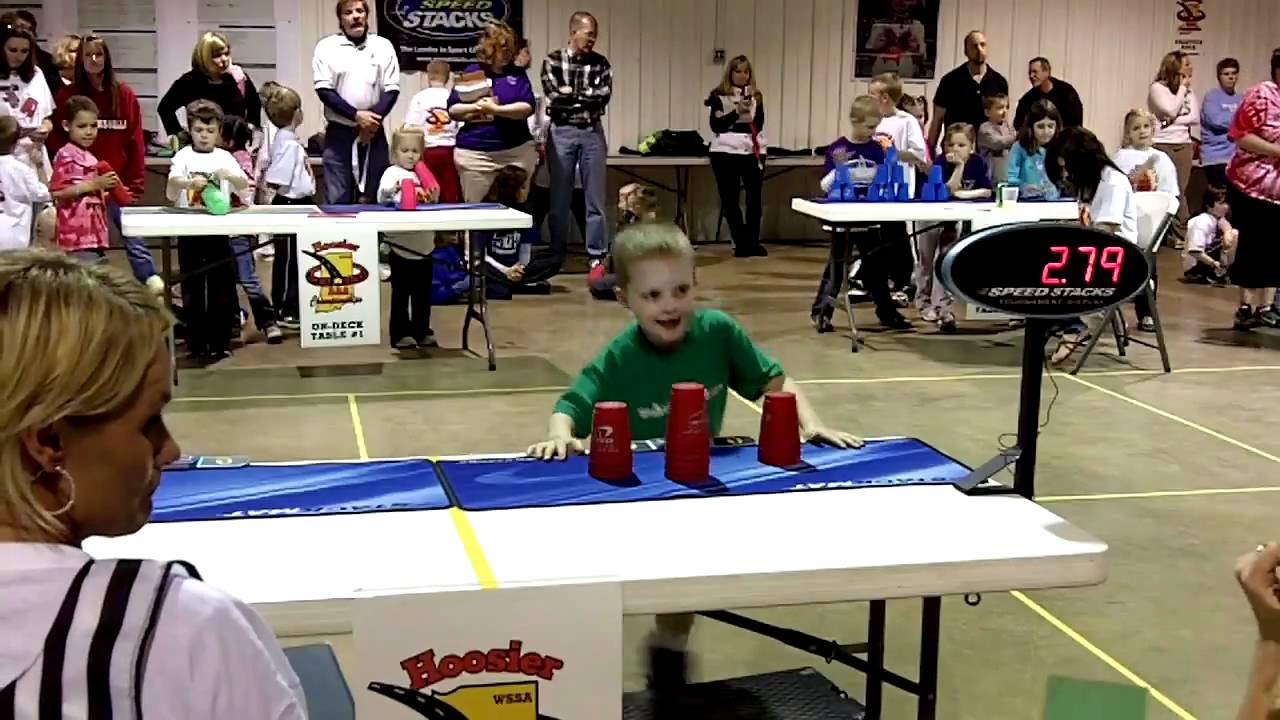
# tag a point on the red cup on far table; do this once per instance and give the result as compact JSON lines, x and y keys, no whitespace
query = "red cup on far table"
{"x":408,"y":195}
{"x":688,"y":446}
{"x":780,"y":430}
{"x":610,"y":456}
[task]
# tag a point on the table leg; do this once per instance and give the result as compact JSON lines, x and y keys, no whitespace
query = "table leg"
{"x":682,"y":197}
{"x":478,"y":299}
{"x":875,"y":657}
{"x":166,"y":269}
{"x":930,"y":630}
{"x":471,"y":288}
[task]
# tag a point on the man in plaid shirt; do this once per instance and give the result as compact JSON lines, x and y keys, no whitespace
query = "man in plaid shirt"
{"x":578,"y":82}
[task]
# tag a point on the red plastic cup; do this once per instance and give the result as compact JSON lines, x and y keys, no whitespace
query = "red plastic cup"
{"x":688,"y":446}
{"x":610,"y":456}
{"x":119,"y":194}
{"x":779,"y":443}
{"x":408,"y":195}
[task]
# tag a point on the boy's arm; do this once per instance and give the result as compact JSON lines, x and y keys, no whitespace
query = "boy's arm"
{"x":811,"y":426}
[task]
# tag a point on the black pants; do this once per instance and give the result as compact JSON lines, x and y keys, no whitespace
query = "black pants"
{"x":899,"y":262}
{"x":873,"y":249}
{"x":284,"y":266}
{"x":410,"y":297}
{"x":208,"y":296}
{"x":540,"y":205}
{"x":735,"y":173}
{"x":1140,"y":305}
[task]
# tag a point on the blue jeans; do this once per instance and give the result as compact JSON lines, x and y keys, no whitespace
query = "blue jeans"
{"x":247,"y":276}
{"x":140,"y":260}
{"x":573,"y":149}
{"x":339,"y":176}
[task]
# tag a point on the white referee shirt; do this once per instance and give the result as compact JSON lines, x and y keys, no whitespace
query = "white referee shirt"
{"x":74,"y":631}
{"x":360,"y":74}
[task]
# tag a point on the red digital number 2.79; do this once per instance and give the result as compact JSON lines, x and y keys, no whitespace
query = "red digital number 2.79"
{"x":1112,"y":258}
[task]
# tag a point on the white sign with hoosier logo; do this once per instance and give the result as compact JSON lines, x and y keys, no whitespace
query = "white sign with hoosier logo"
{"x":339,"y":292}
{"x":524,"y":653}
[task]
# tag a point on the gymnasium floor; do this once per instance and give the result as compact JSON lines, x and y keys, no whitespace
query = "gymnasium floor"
{"x":1176,"y":472}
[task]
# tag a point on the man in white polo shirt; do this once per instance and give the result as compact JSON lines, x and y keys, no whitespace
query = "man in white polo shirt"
{"x":357,"y":76}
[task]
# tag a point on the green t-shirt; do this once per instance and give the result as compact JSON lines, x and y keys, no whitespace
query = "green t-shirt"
{"x":716,"y":352}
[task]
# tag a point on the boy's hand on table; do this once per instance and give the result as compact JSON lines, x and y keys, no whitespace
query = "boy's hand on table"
{"x":556,"y":449}
{"x":836,"y":438}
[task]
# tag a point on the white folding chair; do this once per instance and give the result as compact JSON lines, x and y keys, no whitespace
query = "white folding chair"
{"x":1155,"y":217}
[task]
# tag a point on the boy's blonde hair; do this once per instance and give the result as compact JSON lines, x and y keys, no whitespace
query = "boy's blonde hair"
{"x":990,"y":101}
{"x":644,"y":241}
{"x":640,"y":200}
{"x":209,"y":44}
{"x":439,"y":70}
{"x":64,"y":51}
{"x":411,"y":133}
{"x":864,"y":108}
{"x":78,"y":341}
{"x":281,"y":103}
{"x":1129,"y":117}
{"x":891,"y":84}
{"x":8,"y":134}
{"x":961,"y":128}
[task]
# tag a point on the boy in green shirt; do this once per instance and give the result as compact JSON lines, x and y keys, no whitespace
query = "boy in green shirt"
{"x":670,"y":342}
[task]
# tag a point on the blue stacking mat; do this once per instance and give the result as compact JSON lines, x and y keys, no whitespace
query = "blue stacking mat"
{"x":425,"y":207}
{"x":304,"y":489}
{"x":524,"y":482}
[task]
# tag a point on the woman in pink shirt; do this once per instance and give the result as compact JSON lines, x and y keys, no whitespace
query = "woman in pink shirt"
{"x":1177,"y":109}
{"x":1253,"y":192}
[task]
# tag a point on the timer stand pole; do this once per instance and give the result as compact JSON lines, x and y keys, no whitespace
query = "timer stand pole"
{"x":1024,"y":473}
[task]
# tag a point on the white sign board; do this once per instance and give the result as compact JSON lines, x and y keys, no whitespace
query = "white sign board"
{"x":977,"y":312}
{"x":510,"y":654}
{"x":339,"y":293}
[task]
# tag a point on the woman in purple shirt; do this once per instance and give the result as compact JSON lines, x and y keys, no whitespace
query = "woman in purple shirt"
{"x":493,"y":110}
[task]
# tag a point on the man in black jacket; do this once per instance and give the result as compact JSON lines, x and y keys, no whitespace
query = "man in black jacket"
{"x":1044,"y":86}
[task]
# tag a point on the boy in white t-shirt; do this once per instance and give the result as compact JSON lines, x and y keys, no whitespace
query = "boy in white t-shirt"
{"x":429,"y":110}
{"x":1211,"y":241}
{"x":902,"y":130}
{"x":20,"y":190}
{"x":208,"y":298}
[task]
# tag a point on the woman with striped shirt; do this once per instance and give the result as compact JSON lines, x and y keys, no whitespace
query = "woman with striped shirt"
{"x":82,"y":442}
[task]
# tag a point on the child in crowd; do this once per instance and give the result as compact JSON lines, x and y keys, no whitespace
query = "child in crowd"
{"x":903,"y":131}
{"x":1211,"y":241}
{"x":637,"y":203}
{"x":78,"y":186}
{"x":291,"y":181}
{"x":410,"y":256}
{"x":863,"y":154}
{"x":1078,"y":159}
{"x":968,"y":178}
{"x":1026,"y":168}
{"x":1148,"y":168}
{"x":208,"y":298}
{"x":20,"y":190}
{"x":996,"y":136}
{"x":509,"y":251}
{"x":236,"y":136}
{"x":429,"y":110}
{"x":918,"y":107}
{"x":671,"y":341}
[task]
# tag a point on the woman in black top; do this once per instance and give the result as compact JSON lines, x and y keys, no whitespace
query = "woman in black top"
{"x":212,"y":77}
{"x":738,"y":152}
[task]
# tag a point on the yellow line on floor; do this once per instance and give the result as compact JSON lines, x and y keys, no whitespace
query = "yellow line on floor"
{"x":1170,"y":416}
{"x":1103,"y":656}
{"x":747,"y":402}
{"x":471,"y":546}
{"x":1160,"y":494}
{"x":358,"y":427}
{"x":374,"y":394}
{"x":913,"y":378}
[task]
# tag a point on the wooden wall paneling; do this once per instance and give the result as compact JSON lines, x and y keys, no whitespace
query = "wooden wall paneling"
{"x":736,"y":20}
{"x":970,"y":15}
{"x":1052,"y":40}
{"x":541,"y":40}
{"x":768,"y":55}
{"x":848,"y":83}
{"x":1111,"y":96}
{"x":998,"y":23}
{"x":625,"y":42}
{"x":709,"y":72}
{"x":685,"y":62}
{"x":1081,"y":29}
{"x":797,"y":74}
{"x":655,"y":66}
{"x":826,"y":73}
{"x":1024,"y":45}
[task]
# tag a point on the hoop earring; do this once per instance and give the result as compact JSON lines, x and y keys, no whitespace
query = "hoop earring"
{"x":71,"y":494}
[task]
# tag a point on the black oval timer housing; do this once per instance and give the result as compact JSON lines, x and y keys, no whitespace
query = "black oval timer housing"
{"x":1044,"y":270}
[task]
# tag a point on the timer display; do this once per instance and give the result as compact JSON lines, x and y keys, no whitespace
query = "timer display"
{"x":1044,"y":270}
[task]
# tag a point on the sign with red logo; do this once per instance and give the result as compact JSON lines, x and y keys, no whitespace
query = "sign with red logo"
{"x":529,"y":653}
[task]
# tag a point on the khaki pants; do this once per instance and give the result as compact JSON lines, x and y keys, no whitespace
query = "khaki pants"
{"x":1182,"y":156}
{"x":477,"y":169}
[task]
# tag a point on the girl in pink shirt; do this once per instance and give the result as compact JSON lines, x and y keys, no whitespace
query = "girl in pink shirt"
{"x":78,"y":185}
